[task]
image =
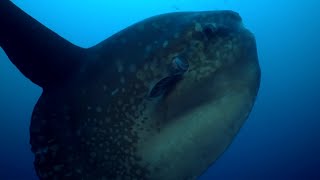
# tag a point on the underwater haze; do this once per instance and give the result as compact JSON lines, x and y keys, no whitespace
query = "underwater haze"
{"x":280,"y":139}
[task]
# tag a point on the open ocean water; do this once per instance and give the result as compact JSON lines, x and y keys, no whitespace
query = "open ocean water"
{"x":280,"y":139}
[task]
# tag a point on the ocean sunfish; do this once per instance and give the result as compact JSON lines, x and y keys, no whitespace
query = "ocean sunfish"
{"x":161,"y":99}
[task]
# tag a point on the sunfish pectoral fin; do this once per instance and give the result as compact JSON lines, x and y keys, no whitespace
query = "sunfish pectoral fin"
{"x":178,"y":67}
{"x":163,"y":86}
{"x":40,"y":54}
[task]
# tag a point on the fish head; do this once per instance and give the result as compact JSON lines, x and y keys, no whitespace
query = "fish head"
{"x":201,"y":78}
{"x":208,"y":47}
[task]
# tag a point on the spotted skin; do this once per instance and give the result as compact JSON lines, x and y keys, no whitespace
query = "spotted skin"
{"x":98,"y":123}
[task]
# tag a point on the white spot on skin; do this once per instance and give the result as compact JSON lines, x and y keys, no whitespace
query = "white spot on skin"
{"x":148,"y":48}
{"x":155,"y":25}
{"x":132,"y":68}
{"x":104,"y":87}
{"x":198,"y":27}
{"x":119,"y":67}
{"x":122,"y":80}
{"x":176,"y":35}
{"x":43,"y":150}
{"x":141,"y":27}
{"x":114,"y":92}
{"x":123,"y":40}
{"x":131,"y":100}
{"x":165,"y":44}
{"x":107,"y":119}
{"x":99,"y":109}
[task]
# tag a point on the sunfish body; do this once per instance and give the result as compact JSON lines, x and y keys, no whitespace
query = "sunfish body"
{"x":162,"y":99}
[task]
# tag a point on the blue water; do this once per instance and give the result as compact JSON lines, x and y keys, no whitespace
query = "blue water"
{"x":280,"y":140}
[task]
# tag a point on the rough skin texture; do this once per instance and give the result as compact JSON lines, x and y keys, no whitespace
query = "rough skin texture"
{"x":97,"y":122}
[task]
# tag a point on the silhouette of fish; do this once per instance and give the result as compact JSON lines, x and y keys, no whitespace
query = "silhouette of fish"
{"x":161,"y":99}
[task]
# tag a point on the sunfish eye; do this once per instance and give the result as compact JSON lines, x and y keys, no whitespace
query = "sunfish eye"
{"x":209,"y":30}
{"x":212,"y":30}
{"x":180,"y":65}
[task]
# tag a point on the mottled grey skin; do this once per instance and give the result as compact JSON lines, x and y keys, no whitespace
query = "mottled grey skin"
{"x":100,"y":124}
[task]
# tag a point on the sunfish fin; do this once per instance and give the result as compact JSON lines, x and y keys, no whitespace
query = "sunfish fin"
{"x":40,"y":54}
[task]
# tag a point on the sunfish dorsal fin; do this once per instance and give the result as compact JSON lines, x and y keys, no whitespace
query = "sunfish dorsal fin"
{"x":40,"y":54}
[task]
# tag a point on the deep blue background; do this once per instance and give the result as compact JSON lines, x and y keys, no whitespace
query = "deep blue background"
{"x":280,"y":140}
